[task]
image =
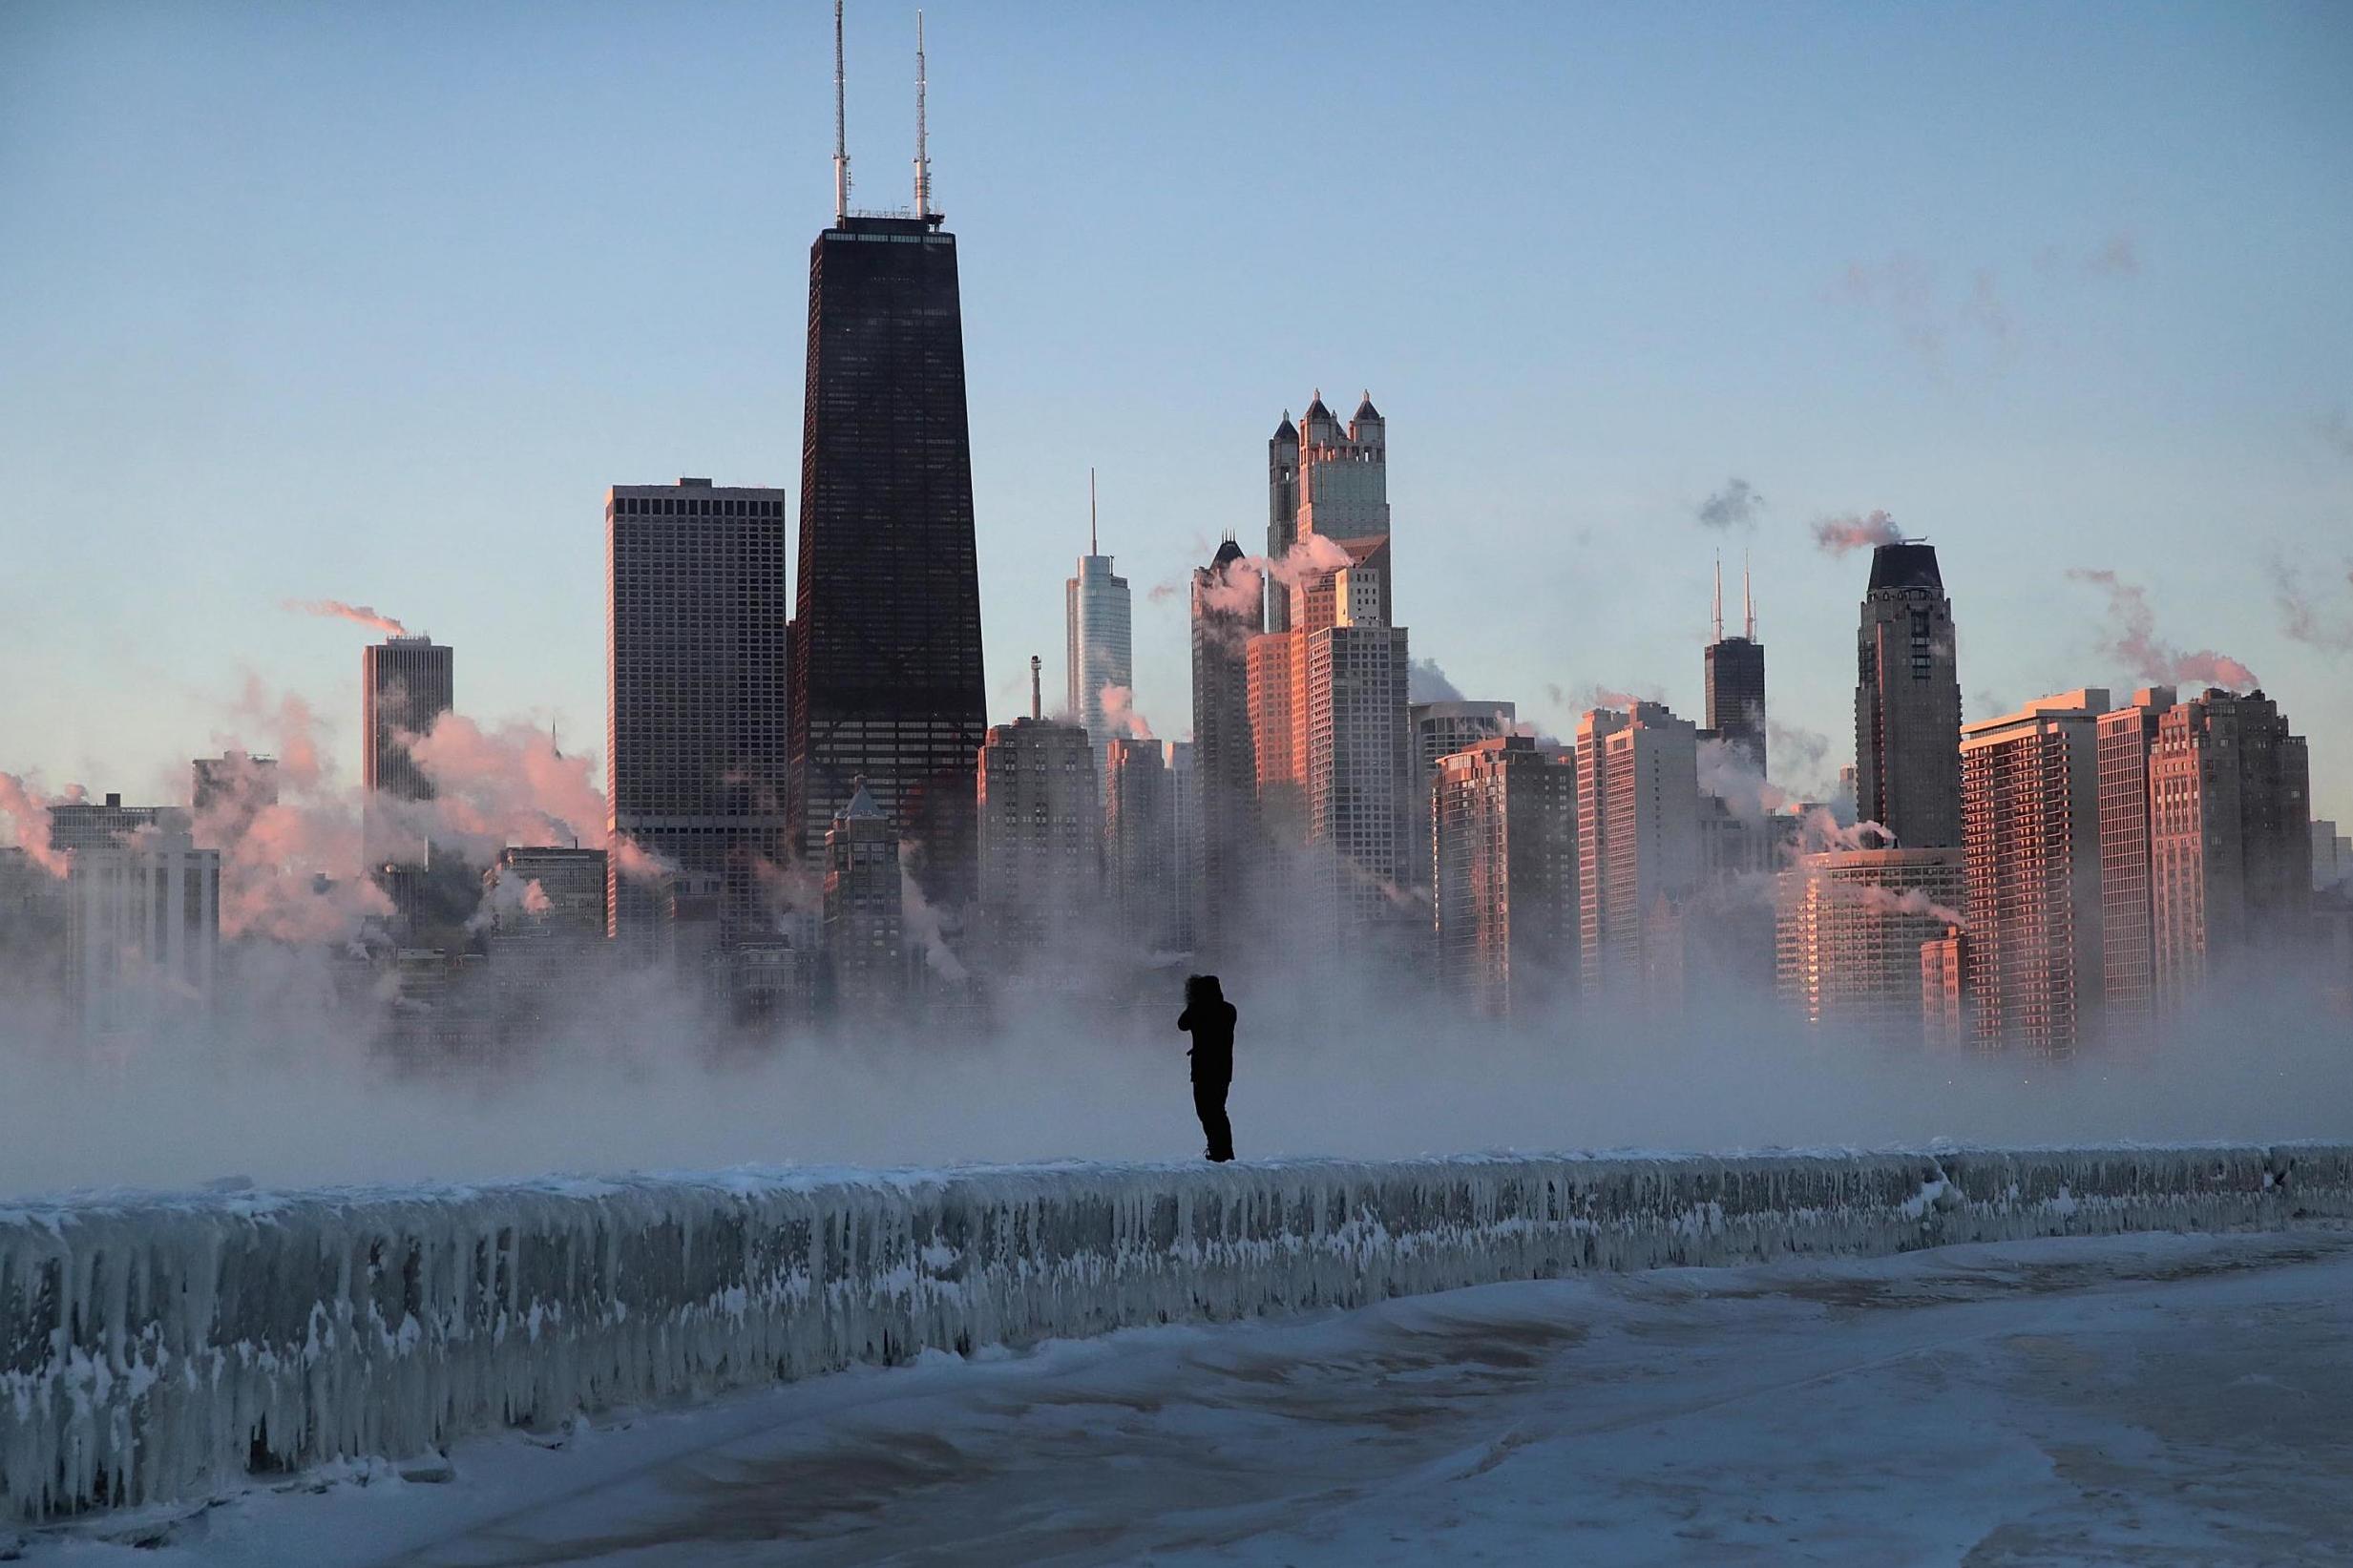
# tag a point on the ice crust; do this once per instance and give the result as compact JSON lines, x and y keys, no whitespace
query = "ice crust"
{"x":156,"y":1349}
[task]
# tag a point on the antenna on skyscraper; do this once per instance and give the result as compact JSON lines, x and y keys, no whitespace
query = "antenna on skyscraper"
{"x":923,"y":157}
{"x":841,"y":130}
{"x":1748,"y":604}
{"x":1091,"y":547}
{"x":1720,"y":596}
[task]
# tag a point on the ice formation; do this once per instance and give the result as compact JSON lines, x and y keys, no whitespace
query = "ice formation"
{"x":157,"y":1348}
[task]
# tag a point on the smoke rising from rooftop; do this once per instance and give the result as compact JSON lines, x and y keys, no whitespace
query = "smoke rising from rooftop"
{"x":2131,"y":638}
{"x":364,"y":615}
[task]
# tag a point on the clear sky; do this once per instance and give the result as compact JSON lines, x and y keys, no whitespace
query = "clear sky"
{"x":371,"y":303}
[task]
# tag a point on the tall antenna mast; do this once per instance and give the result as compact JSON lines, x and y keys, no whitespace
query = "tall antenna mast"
{"x":923,"y":156}
{"x":1720,"y":596}
{"x":1092,"y":548}
{"x":1037,"y":689}
{"x":841,"y":130}
{"x":1748,"y":604}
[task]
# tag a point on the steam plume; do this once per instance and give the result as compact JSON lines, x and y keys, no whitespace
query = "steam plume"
{"x":27,"y":809}
{"x":2132,"y":638}
{"x":1119,"y":711}
{"x":1426,"y":683}
{"x":2303,"y":621}
{"x":1840,"y":535}
{"x":336,"y":610}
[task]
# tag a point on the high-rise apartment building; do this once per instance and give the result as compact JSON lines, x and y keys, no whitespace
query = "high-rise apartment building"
{"x":406,"y":684}
{"x":1101,"y":651}
{"x":1226,"y":611}
{"x":1907,"y":701}
{"x":1352,"y":748}
{"x":1139,"y":835}
{"x":2230,"y":839}
{"x":2030,"y":841}
{"x":143,"y":928}
{"x":887,"y":680}
{"x":1735,"y":672}
{"x":695,"y":695}
{"x":1322,"y":479}
{"x":1185,"y":864}
{"x":1040,"y":832}
{"x":1506,"y":874}
{"x":1435,"y":730}
{"x":1848,"y":929}
{"x":864,"y":930}
{"x":2128,"y":912}
{"x":1638,"y":848}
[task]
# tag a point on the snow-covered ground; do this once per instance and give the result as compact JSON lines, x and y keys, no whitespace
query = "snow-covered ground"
{"x":2168,"y":1399}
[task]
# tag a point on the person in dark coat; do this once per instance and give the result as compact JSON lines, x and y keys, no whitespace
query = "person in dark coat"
{"x":1209,"y":1019}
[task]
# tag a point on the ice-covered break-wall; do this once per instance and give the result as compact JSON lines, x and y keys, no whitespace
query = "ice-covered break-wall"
{"x":159,"y":1348}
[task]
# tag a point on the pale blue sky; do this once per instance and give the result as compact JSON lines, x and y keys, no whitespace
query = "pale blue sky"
{"x":371,"y":303}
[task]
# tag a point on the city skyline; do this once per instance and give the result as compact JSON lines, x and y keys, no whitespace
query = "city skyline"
{"x":2073,"y":287}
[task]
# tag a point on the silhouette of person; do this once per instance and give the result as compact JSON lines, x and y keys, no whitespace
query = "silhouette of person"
{"x":1209,"y":1019}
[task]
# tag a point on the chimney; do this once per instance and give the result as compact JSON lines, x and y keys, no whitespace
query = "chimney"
{"x":1036,"y":693}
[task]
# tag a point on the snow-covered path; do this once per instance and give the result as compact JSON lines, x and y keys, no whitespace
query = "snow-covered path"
{"x":2144,"y":1399}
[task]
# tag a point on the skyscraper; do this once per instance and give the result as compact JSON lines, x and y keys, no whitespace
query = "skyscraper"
{"x":865,"y":916}
{"x":695,"y":694}
{"x":228,"y":792}
{"x":1185,"y":839}
{"x":1735,"y":671}
{"x":1849,"y":926}
{"x":1100,"y":652}
{"x":1040,"y":832}
{"x":2030,"y":824}
{"x":1505,"y":876}
{"x":1226,"y":611}
{"x":1325,"y":480}
{"x":886,"y":676}
{"x":1907,"y":701}
{"x":2230,"y":839}
{"x":1139,"y":835}
{"x":2126,"y":737}
{"x":406,"y":683}
{"x":1440,"y":729}
{"x":1354,"y":754}
{"x":143,"y":928}
{"x":1638,"y":852}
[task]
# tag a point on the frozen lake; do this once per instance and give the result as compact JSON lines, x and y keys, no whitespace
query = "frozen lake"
{"x":2167,"y":1399}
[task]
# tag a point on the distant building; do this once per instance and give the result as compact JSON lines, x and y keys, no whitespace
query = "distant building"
{"x":1944,"y":989}
{"x":1040,"y":832}
{"x":1354,"y":754}
{"x":92,"y":825}
{"x":407,"y":683}
{"x":1736,"y":674}
{"x":228,"y":792}
{"x":2032,"y":845}
{"x":865,"y":935}
{"x":2332,"y":856}
{"x":1638,"y":848}
{"x":2230,"y":840}
{"x":1100,"y":646}
{"x":1849,"y":928}
{"x":1506,"y":874}
{"x":1907,"y":701}
{"x":1225,"y":610}
{"x":697,"y":697}
{"x":1435,"y":730}
{"x":1325,"y":480}
{"x":143,"y":930}
{"x":1278,"y":736}
{"x":544,"y":928}
{"x":1139,"y":832}
{"x":1184,"y":866}
{"x":2128,"y":909}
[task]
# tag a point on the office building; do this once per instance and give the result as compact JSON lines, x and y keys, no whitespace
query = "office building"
{"x":406,"y":684}
{"x":1140,"y":842}
{"x":2032,"y":845}
{"x":1352,"y":748}
{"x":2332,"y":856}
{"x":1638,"y":848}
{"x":865,"y":931}
{"x":1435,"y":730}
{"x":886,"y":671}
{"x":228,"y":792}
{"x":1185,"y":864}
{"x":76,"y":825}
{"x":695,"y":695}
{"x":1849,"y":926}
{"x":1100,"y":650}
{"x":1325,"y":480}
{"x":543,"y":925}
{"x":1736,"y":676}
{"x":143,"y":930}
{"x":1226,"y":611}
{"x":1040,"y":832}
{"x":1506,"y":874}
{"x":2128,"y":910}
{"x":1907,"y":701}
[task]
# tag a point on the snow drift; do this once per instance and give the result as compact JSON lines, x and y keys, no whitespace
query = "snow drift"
{"x":153,"y":1348}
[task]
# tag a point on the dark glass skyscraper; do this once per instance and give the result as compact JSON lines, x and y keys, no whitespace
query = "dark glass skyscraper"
{"x":1907,"y":701}
{"x":885,"y":676}
{"x":1736,"y":669}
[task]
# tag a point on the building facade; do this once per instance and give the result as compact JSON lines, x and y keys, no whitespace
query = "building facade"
{"x":885,"y":669}
{"x":94,"y":825}
{"x":143,"y":930}
{"x":696,"y":696}
{"x":1041,"y":833}
{"x":1435,"y":730}
{"x":865,"y":914}
{"x":1139,"y":835}
{"x":1226,"y":612}
{"x":1734,"y":667}
{"x":1505,"y":878}
{"x":406,"y":684}
{"x":1638,"y":848}
{"x":1907,"y":701}
{"x":1100,"y":648}
{"x":2031,"y":819}
{"x":1323,"y":480}
{"x":1849,"y":926}
{"x":2128,"y":912}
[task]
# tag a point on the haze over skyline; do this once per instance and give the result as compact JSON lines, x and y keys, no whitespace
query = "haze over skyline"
{"x":349,"y":306}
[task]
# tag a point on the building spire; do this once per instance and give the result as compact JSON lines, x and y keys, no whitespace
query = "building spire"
{"x":841,"y":130}
{"x":1748,"y":601}
{"x":923,"y":156}
{"x":1719,"y":597}
{"x":1092,"y":548}
{"x":1037,"y":690}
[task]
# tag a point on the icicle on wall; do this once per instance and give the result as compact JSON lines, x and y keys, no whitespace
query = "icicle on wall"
{"x":165,"y":1348}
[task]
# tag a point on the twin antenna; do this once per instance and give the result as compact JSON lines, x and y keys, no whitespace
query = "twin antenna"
{"x":841,"y":130}
{"x":1748,"y":603}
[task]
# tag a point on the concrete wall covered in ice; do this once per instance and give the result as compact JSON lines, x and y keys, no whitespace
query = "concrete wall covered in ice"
{"x":152,"y":1350}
